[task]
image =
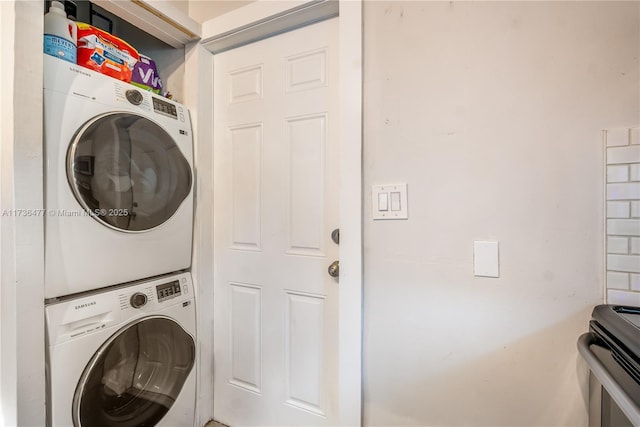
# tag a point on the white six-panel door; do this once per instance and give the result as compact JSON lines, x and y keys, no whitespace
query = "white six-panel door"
{"x":276,"y":189}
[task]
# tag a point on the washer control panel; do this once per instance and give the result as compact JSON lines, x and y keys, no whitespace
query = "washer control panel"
{"x":168,"y":290}
{"x":73,"y":317}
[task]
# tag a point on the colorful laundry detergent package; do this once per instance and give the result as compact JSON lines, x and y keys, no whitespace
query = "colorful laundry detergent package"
{"x":105,"y":53}
{"x":145,"y":75}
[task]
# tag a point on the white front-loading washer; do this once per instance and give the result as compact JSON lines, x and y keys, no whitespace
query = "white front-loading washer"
{"x":118,"y":181}
{"x":123,"y":357}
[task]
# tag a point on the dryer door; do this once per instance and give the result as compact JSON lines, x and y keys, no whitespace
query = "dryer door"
{"x":127,"y":172}
{"x":135,"y":377}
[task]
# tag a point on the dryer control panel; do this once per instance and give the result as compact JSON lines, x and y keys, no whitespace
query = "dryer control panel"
{"x":164,"y":107}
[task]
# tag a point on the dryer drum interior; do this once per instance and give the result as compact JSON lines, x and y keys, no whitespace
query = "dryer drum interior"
{"x":136,"y":375}
{"x":127,"y":171}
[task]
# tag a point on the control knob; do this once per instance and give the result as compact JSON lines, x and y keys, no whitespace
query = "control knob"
{"x":134,"y":96}
{"x":138,"y":300}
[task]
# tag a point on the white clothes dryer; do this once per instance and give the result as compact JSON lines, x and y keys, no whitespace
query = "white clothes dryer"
{"x":118,"y":181}
{"x":123,"y":357}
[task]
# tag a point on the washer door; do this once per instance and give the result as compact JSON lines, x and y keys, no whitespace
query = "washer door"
{"x":127,"y":172}
{"x":136,"y":376}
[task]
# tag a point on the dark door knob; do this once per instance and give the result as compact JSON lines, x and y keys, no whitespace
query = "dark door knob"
{"x":334,"y":269}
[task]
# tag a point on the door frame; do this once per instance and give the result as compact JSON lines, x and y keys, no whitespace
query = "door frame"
{"x":259,"y":17}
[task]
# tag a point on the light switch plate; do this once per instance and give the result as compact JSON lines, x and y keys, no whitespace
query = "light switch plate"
{"x":486,"y":259}
{"x":393,"y":197}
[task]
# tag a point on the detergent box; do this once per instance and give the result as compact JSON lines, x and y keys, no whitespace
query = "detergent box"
{"x":145,"y":75}
{"x":105,"y":53}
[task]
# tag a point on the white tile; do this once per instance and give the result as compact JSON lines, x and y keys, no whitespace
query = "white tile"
{"x":623,"y":227}
{"x":635,"y":209}
{"x":623,"y":297}
{"x":617,"y":280}
{"x":616,"y":137}
{"x":635,"y":282}
{"x":628,"y":263}
{"x":618,"y":245}
{"x":635,"y":136}
{"x":618,"y":173}
{"x":634,"y":172}
{"x":629,"y":154}
{"x":626,"y":191}
{"x":635,"y":245}
{"x":617,"y":209}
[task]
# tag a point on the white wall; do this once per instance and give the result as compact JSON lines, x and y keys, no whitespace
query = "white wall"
{"x":22,"y":370}
{"x":199,"y":97}
{"x":8,"y":333}
{"x":492,"y":113}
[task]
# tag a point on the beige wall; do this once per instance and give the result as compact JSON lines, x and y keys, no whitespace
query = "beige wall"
{"x":181,"y":5}
{"x":492,"y":113}
{"x":203,"y":10}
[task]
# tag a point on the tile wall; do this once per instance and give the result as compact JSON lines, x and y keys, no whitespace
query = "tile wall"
{"x":623,"y":216}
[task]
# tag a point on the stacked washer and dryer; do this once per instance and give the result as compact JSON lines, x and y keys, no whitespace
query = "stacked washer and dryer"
{"x":120,"y":308}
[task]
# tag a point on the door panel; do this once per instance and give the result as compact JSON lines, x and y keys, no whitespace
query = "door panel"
{"x":276,"y":189}
{"x":245,"y":143}
{"x":306,"y":138}
{"x":304,"y":354}
{"x":245,"y":337}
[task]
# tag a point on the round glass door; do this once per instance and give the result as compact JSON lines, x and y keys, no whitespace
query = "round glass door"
{"x":127,"y":172}
{"x":134,"y":378}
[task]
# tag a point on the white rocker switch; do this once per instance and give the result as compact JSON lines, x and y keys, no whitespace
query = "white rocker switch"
{"x":395,"y":201}
{"x":383,"y":202}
